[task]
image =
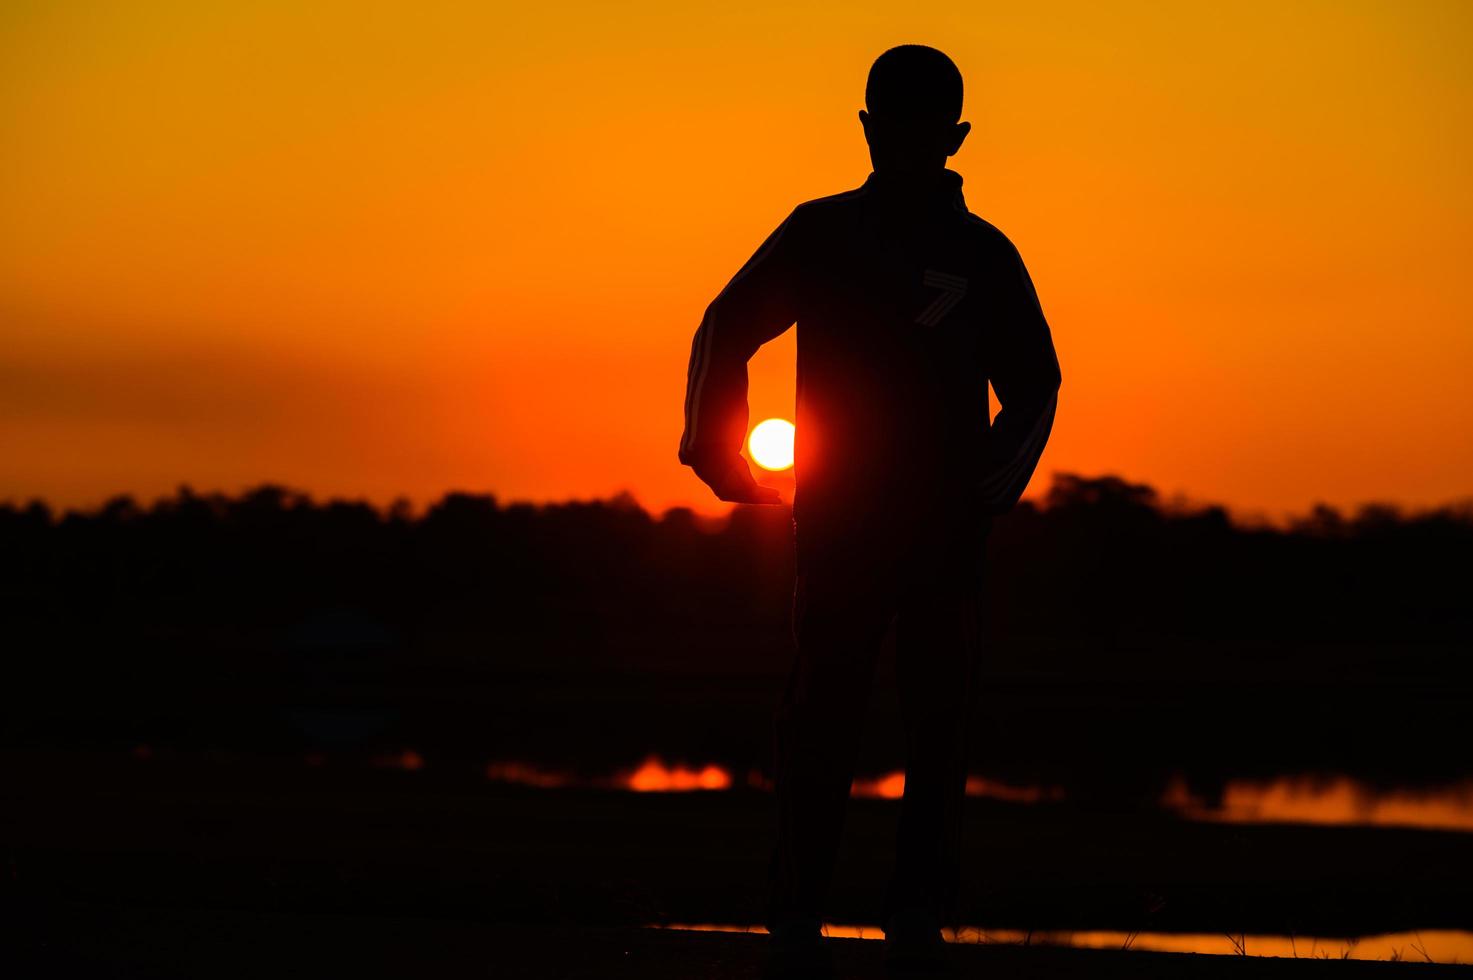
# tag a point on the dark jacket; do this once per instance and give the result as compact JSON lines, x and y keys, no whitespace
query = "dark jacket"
{"x":907,"y":305}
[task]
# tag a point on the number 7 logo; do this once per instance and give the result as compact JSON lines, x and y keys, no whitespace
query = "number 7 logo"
{"x":953,"y":288}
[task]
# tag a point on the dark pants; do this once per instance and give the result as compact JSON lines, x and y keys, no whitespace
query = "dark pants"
{"x":841,"y":612}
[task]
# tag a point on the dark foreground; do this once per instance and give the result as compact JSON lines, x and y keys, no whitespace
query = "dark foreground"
{"x":92,"y":941}
{"x":236,"y":867}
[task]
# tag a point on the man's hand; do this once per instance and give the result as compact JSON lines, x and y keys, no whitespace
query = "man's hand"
{"x":730,"y":478}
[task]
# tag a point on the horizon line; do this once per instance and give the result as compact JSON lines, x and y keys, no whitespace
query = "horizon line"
{"x":1175,"y":503}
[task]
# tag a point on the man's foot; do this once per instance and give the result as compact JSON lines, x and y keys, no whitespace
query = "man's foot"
{"x":796,"y":951}
{"x":913,"y":941}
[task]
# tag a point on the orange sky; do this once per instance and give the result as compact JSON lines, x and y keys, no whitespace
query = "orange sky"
{"x":374,"y":251}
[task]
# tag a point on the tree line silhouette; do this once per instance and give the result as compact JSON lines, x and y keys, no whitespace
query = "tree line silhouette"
{"x":123,"y":621}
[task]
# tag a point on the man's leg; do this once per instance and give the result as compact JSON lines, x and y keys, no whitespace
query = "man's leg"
{"x":839,"y":620}
{"x":938,"y":658}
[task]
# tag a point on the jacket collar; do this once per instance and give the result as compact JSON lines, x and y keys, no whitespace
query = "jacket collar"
{"x":933,"y":187}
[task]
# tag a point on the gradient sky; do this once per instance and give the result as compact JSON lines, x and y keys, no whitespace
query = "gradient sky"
{"x":379,"y":250}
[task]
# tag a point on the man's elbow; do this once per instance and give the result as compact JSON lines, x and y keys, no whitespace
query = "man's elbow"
{"x":1042,"y":391}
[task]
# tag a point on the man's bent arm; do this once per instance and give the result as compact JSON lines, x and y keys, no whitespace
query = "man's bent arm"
{"x":757,"y":305}
{"x":1024,"y":371}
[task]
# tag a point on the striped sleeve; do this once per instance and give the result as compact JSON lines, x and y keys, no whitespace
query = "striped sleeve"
{"x":757,"y":305}
{"x":1024,"y":370}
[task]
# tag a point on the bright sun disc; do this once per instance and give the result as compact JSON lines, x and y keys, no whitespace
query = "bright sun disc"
{"x":771,"y":444}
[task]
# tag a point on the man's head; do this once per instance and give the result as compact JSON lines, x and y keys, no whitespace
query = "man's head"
{"x":914,"y":102}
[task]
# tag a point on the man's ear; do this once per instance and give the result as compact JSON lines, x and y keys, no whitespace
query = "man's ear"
{"x":958,"y":137}
{"x":864,"y":123}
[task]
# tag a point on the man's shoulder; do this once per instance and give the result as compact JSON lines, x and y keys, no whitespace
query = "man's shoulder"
{"x":987,"y":234}
{"x":830,"y":204}
{"x":820,"y":219}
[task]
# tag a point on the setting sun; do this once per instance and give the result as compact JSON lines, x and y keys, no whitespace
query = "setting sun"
{"x":771,"y":444}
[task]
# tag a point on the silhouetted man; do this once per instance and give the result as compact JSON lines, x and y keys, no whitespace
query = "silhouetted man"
{"x":907,"y":305}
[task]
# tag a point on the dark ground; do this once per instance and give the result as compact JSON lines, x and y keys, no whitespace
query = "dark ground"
{"x":193,"y":867}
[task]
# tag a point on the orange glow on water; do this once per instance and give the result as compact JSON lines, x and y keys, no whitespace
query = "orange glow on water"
{"x":1425,"y":945}
{"x":888,"y":787}
{"x":1287,"y":800}
{"x":518,"y":772}
{"x":1339,"y":800}
{"x":653,"y":776}
{"x":891,"y":786}
{"x":833,"y":930}
{"x":978,"y":786}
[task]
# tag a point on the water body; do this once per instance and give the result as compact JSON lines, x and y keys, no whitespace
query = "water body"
{"x":1332,"y":801}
